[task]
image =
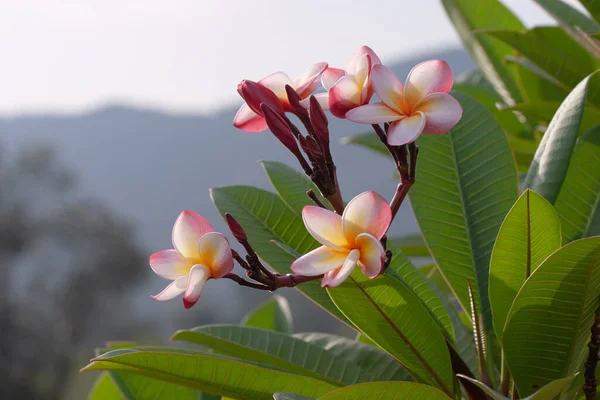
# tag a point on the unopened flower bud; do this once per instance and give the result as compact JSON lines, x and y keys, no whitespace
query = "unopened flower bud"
{"x":280,"y":128}
{"x":310,"y":146}
{"x":236,"y":228}
{"x":256,"y":94}
{"x":318,"y":119}
{"x":294,"y":99}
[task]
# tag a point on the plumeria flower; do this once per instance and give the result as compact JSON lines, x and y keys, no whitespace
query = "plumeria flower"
{"x":353,"y":238}
{"x":422,"y":105}
{"x":249,"y":117}
{"x":351,"y":87}
{"x":199,"y":255}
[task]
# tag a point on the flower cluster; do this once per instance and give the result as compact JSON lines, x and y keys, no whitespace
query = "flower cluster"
{"x":351,"y":235}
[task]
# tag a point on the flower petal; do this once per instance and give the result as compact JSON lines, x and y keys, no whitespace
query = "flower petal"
{"x":375,"y":113}
{"x":406,"y":130}
{"x":325,"y":226}
{"x":173,"y":290}
{"x":428,"y":77}
{"x":319,"y":261}
{"x":331,"y":76}
{"x":249,"y":121}
{"x":199,"y":274}
{"x":372,"y":255}
{"x":442,"y":112}
{"x":388,"y":87}
{"x":322,"y":98}
{"x":276,"y":83}
{"x":344,"y":96}
{"x":310,"y":80}
{"x":353,"y":64}
{"x":169,"y":264}
{"x":187,"y":231}
{"x":215,"y":253}
{"x":366,"y":213}
{"x":338,"y":275}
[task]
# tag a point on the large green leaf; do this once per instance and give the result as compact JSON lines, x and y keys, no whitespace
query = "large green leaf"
{"x":266,"y":217}
{"x":549,"y":166}
{"x":369,"y":358}
{"x":466,"y":183}
{"x":489,"y":53}
{"x":411,"y":244}
{"x":386,"y":391}
{"x":544,"y":111}
{"x":105,"y":389}
{"x":403,"y":269}
{"x":535,"y":84}
{"x":274,"y":315}
{"x":593,"y":6}
{"x":290,"y":184}
{"x":211,"y":373}
{"x":523,"y":150}
{"x":553,"y":51}
{"x":389,"y":313}
{"x":578,"y":202}
{"x":548,"y":392}
{"x":277,"y":350}
{"x":548,"y":325}
{"x":529,"y":234}
{"x":290,"y":396}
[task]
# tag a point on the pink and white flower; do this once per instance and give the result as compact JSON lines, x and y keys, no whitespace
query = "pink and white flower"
{"x":249,"y":117}
{"x":199,"y":254}
{"x":422,"y":105}
{"x":351,"y":87}
{"x":348,"y":240}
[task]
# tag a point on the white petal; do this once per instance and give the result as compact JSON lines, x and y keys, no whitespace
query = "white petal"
{"x":322,"y":98}
{"x":319,"y":261}
{"x":174,"y":289}
{"x":331,"y":76}
{"x":187,"y":231}
{"x":310,"y":80}
{"x":375,"y":113}
{"x":169,"y":264}
{"x":406,"y":130}
{"x":276,"y":83}
{"x":249,"y":121}
{"x":344,"y":96}
{"x":337,"y":276}
{"x":433,"y":76}
{"x":199,"y":274}
{"x":351,"y":68}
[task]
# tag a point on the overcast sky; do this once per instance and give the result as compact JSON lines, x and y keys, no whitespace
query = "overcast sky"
{"x":189,"y":55}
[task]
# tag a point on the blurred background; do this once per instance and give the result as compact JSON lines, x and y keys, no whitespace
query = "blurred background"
{"x":115,"y":115}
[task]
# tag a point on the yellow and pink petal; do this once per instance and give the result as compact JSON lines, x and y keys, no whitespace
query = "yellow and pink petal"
{"x":319,"y":261}
{"x":215,"y":252}
{"x":331,"y":76}
{"x":442,"y":112}
{"x":325,"y":226}
{"x":199,"y":274}
{"x":344,"y":96}
{"x":406,"y":130}
{"x":433,"y":76}
{"x":310,"y":80}
{"x":339,"y":275}
{"x":375,"y":113}
{"x":173,"y":290}
{"x":187,"y":231}
{"x":372,"y":255}
{"x":169,"y":264}
{"x":354,"y":64}
{"x":366,"y":213}
{"x":388,"y":87}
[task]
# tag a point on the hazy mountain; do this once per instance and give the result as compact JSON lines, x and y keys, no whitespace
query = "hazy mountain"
{"x":149,"y":165}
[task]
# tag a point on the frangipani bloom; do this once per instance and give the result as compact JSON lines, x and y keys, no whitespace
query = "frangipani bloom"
{"x":249,"y":117}
{"x":199,"y":255}
{"x":351,"y":87}
{"x":422,"y":105}
{"x":347,"y":241}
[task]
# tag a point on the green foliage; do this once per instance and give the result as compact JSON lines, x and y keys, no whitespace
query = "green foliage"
{"x":386,"y":391}
{"x":274,"y":314}
{"x":548,"y":392}
{"x":105,"y":389}
{"x":467,"y":182}
{"x":529,"y":234}
{"x":548,"y":325}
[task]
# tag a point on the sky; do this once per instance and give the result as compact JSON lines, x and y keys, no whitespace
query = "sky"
{"x":188,"y":55}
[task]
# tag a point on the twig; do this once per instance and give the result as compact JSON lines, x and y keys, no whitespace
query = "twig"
{"x":311,"y":194}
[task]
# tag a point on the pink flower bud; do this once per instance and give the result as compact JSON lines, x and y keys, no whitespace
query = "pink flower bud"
{"x":294,"y":100}
{"x":280,"y":128}
{"x":235,"y":228}
{"x":318,"y":119}
{"x":256,"y":94}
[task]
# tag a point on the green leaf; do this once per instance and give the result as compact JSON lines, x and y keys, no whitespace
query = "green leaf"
{"x":549,"y":166}
{"x":368,"y":140}
{"x":386,"y":391}
{"x":390,"y":314}
{"x":290,"y":396}
{"x":369,"y":358}
{"x":548,"y":48}
{"x":593,"y":6}
{"x":544,"y":111}
{"x":523,"y":150}
{"x":535,"y":84}
{"x":290,"y":185}
{"x":578,"y":202}
{"x":276,"y":350}
{"x":548,"y":325}
{"x":403,"y":269}
{"x":529,"y":234}
{"x":489,"y":53}
{"x":548,"y":392}
{"x":568,"y":17}
{"x":474,"y":77}
{"x":466,"y":183}
{"x":105,"y":389}
{"x":411,"y":244}
{"x":274,"y":315}
{"x":211,"y":373}
{"x":266,"y":217}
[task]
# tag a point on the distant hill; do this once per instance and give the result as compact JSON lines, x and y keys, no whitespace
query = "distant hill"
{"x":149,"y":165}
